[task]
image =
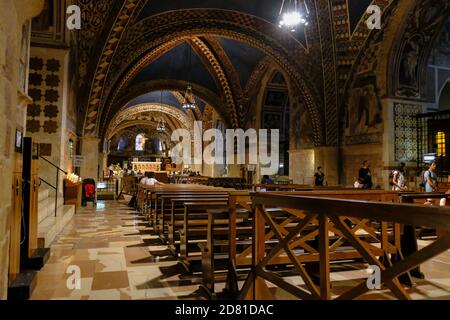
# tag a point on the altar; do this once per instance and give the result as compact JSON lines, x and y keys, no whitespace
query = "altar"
{"x":146,"y":166}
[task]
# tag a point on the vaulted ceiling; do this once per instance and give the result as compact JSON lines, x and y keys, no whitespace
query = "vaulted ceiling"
{"x":130,"y":49}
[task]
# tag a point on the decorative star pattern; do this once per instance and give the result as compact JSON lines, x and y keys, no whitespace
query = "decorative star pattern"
{"x":43,"y":113}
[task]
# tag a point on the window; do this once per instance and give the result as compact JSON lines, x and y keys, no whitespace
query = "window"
{"x":121,"y":146}
{"x":70,"y":148}
{"x":140,"y":142}
{"x":440,"y":141}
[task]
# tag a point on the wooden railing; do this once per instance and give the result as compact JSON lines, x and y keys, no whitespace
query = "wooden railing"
{"x":336,"y":222}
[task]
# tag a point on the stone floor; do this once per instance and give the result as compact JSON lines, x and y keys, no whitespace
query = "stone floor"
{"x":120,"y":258}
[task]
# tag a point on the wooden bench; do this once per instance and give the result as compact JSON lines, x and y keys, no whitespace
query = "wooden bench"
{"x":176,"y":220}
{"x":170,"y":203}
{"x":240,"y":202}
{"x":330,"y":215}
{"x":409,"y":236}
{"x":196,"y":230}
{"x":148,"y":197}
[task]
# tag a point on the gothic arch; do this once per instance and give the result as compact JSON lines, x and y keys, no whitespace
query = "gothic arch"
{"x":128,"y":112}
{"x":150,"y":86}
{"x":154,"y":32}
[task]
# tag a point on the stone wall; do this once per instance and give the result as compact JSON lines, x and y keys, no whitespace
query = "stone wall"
{"x":13,"y":14}
{"x":47,"y":115}
{"x":301,"y":166}
{"x":354,"y":155}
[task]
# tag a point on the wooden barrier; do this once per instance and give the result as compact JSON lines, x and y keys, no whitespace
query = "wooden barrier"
{"x":148,"y":197}
{"x":177,"y":209}
{"x":239,"y":208}
{"x":194,"y":227}
{"x":332,"y":215}
{"x":170,"y":203}
{"x":409,"y":237}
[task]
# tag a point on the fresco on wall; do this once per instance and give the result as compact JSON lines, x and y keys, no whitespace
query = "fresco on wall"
{"x":364,"y":114}
{"x":409,"y":64}
{"x":302,"y":134}
{"x":364,"y":111}
{"x":422,"y":26}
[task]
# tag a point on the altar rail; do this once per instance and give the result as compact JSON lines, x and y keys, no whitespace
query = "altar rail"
{"x":334,"y":215}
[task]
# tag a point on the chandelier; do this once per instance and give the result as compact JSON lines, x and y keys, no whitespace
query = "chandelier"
{"x":161,"y":127}
{"x":293,"y":13}
{"x":189,"y":100}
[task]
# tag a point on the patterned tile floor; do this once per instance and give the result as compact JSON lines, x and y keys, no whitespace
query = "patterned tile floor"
{"x":120,"y":258}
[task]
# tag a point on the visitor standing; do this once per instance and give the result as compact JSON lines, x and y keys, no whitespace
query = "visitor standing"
{"x":398,"y":181}
{"x":319,"y":178}
{"x":365,"y":176}
{"x":430,"y":178}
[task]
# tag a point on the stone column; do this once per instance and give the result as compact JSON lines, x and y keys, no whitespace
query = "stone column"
{"x":89,"y":149}
{"x":13,"y":13}
{"x":301,"y":166}
{"x":103,"y":162}
{"x":47,"y":116}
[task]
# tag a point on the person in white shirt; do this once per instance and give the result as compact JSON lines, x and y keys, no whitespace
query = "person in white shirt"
{"x":144,"y":179}
{"x":398,"y":179}
{"x":151,"y":181}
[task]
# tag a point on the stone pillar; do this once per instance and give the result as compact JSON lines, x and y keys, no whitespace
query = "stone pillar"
{"x":13,"y":14}
{"x":47,"y":115}
{"x":327,"y":158}
{"x":103,"y":163}
{"x":301,"y":166}
{"x":89,"y":149}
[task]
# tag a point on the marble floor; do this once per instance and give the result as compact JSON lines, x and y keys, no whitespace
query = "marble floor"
{"x":119,"y":257}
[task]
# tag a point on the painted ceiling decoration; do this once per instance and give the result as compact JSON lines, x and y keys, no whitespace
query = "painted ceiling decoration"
{"x":127,"y":113}
{"x":142,"y":89}
{"x":157,"y":34}
{"x":236,"y":42}
{"x":117,"y":30}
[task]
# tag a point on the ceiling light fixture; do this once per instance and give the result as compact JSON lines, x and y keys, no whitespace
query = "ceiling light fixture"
{"x":292,"y":14}
{"x":189,"y":99}
{"x":161,"y":127}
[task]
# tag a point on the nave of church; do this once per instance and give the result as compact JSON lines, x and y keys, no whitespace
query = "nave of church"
{"x":122,"y":258}
{"x":225,"y":150}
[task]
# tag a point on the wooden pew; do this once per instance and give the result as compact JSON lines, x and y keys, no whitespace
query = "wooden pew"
{"x":196,"y":230}
{"x":330,"y":215}
{"x":240,"y":202}
{"x":176,"y":220}
{"x":409,"y":236}
{"x":162,"y":197}
{"x":148,"y":197}
{"x":170,"y":204}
